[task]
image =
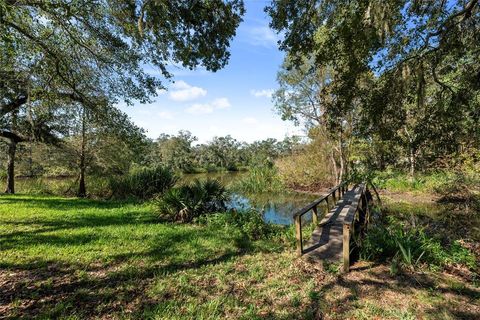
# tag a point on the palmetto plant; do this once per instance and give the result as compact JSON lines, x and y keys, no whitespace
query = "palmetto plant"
{"x":192,"y":200}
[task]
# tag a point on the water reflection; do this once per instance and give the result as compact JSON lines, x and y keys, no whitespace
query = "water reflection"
{"x":276,"y":208}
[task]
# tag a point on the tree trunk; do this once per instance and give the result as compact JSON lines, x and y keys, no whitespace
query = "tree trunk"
{"x":12,"y":149}
{"x":82,"y":190}
{"x":342,"y":159}
{"x":412,"y":162}
{"x":335,"y":168}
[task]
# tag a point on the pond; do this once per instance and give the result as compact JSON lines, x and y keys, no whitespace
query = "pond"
{"x":276,"y":208}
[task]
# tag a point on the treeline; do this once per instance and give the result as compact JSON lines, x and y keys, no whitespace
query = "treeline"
{"x":220,"y":154}
{"x":103,"y":151}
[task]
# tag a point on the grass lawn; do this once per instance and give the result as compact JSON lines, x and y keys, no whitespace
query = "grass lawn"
{"x":77,"y":259}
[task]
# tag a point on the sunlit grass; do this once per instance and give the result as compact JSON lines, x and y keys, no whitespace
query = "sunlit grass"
{"x":80,"y":258}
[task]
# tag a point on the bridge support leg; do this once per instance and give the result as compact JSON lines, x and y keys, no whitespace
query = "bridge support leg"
{"x":346,"y":248}
{"x":298,"y":234}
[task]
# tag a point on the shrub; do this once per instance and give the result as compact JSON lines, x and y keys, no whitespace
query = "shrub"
{"x":311,"y":168}
{"x":259,"y":180}
{"x":143,"y":183}
{"x":192,"y":200}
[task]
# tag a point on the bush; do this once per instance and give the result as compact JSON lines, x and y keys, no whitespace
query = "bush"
{"x":143,"y":183}
{"x":192,"y":200}
{"x":311,"y":168}
{"x":259,"y":180}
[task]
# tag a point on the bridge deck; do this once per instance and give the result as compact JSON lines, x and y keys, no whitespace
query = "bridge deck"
{"x":326,"y":242}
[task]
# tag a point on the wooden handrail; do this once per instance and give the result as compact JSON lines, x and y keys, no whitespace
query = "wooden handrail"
{"x":354,"y":210}
{"x":297,"y":217}
{"x":315,"y":203}
{"x":348,"y":222}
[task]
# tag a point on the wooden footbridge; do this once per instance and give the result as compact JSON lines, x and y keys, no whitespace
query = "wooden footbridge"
{"x":340,"y":218}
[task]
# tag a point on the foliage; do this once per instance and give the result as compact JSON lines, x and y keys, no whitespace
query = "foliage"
{"x":402,"y":75}
{"x":174,"y":151}
{"x":249,"y":222}
{"x":310,"y":167}
{"x":186,"y":202}
{"x":59,"y":55}
{"x":219,"y":154}
{"x":412,"y":246}
{"x":259,"y":180}
{"x":143,"y":183}
{"x":443,"y":183}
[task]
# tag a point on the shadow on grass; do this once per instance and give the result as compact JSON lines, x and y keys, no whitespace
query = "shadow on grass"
{"x":51,"y":287}
{"x":57,"y":203}
{"x":375,"y":294}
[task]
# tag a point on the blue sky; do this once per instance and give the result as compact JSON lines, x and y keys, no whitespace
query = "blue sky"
{"x":235,"y":100}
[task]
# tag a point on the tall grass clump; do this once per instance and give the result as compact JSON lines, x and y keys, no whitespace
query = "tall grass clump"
{"x":399,"y":181}
{"x":260,"y":180}
{"x":249,"y":222}
{"x":309,"y":168}
{"x":192,"y":200}
{"x":143,"y":183}
{"x":410,"y":247}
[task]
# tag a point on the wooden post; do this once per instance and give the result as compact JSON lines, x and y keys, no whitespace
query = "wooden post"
{"x":346,"y":248}
{"x":326,"y":207}
{"x":334,"y":198}
{"x":315,"y":216}
{"x":298,"y":234}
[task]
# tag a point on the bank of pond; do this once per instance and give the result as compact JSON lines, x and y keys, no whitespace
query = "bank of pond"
{"x":275,"y":207}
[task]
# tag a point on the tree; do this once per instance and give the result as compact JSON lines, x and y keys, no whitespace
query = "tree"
{"x":303,"y":97}
{"x":175,"y":151}
{"x":80,"y":50}
{"x":91,"y":138}
{"x":409,"y":67}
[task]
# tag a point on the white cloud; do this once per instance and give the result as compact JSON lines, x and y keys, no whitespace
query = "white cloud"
{"x":165,"y":115}
{"x":202,"y":108}
{"x":267,"y":93}
{"x":221,"y":103}
{"x":250,"y":120}
{"x":182,"y":91}
{"x":199,"y":108}
{"x":262,"y":36}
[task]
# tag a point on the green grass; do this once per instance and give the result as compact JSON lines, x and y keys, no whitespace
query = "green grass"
{"x":68,"y":258}
{"x":435,"y":182}
{"x":260,"y":180}
{"x":88,"y":258}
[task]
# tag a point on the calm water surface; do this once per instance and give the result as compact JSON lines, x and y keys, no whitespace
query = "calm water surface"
{"x":276,"y":208}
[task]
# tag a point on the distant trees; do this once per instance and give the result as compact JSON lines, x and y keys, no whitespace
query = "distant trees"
{"x":404,"y":76}
{"x":175,"y":151}
{"x":221,"y":153}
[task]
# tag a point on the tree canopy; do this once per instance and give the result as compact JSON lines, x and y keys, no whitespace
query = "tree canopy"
{"x":408,"y":71}
{"x":96,"y":53}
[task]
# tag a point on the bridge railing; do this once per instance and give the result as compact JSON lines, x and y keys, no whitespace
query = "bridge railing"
{"x":334,"y":194}
{"x":356,"y":220}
